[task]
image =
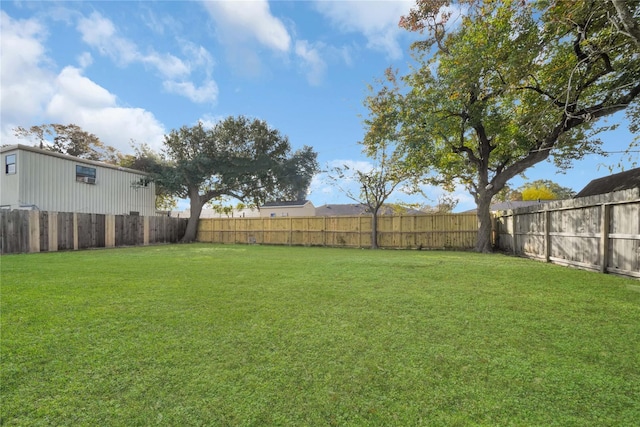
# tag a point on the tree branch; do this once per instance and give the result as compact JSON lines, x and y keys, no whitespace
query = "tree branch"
{"x":630,"y":24}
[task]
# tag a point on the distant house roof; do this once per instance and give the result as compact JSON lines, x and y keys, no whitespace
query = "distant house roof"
{"x":355,"y":209}
{"x":616,"y":182}
{"x":285,"y":204}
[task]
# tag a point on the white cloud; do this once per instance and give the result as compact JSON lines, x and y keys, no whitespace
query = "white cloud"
{"x":81,"y":101}
{"x":313,"y":64}
{"x":33,"y":94}
{"x":85,"y":59}
{"x":76,"y":89}
{"x":246,"y":28}
{"x":208,"y":92}
{"x":209,"y":121}
{"x":100,"y":33}
{"x":26,"y":82}
{"x":198,"y":56}
{"x":239,"y":21}
{"x":376,"y":20}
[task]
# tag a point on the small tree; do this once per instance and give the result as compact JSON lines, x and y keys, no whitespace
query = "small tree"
{"x":374,"y":186}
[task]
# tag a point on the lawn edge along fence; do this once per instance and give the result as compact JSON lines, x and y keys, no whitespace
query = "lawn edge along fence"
{"x":41,"y":231}
{"x":434,"y":231}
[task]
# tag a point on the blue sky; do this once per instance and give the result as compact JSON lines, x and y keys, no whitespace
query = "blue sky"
{"x":135,"y":70}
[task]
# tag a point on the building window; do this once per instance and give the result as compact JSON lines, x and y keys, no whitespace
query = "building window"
{"x":10,"y":164}
{"x":85,"y":174}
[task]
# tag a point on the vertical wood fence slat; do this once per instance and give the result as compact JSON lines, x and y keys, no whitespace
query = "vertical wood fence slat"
{"x":604,"y":237}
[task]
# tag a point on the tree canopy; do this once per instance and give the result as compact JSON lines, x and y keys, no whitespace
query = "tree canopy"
{"x":238,"y":157}
{"x":70,"y":139}
{"x":542,"y":189}
{"x":508,"y":84}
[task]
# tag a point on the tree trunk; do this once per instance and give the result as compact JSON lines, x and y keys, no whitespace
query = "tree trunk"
{"x":374,"y":230}
{"x":483,"y":201}
{"x":192,"y":225}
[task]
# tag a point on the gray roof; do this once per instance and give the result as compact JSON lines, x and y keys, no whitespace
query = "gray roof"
{"x":285,"y":204}
{"x":608,"y":184}
{"x":7,"y":148}
{"x":355,"y":209}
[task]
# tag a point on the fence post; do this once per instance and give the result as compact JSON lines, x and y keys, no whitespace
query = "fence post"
{"x":514,"y":239}
{"x":604,"y":236}
{"x":34,"y":231}
{"x":75,"y":232}
{"x":53,"y":231}
{"x":324,"y":232}
{"x":109,"y":231}
{"x":547,"y":235}
{"x":145,"y":230}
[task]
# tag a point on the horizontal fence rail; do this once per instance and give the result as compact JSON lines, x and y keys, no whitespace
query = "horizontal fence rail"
{"x":438,"y":231}
{"x":39,"y":231}
{"x":600,"y":233}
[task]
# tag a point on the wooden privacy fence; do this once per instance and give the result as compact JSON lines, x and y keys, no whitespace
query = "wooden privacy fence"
{"x":440,"y":231}
{"x":38,"y":231}
{"x":600,"y":233}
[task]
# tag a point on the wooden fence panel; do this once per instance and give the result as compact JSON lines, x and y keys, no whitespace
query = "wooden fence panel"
{"x":423,"y":231}
{"x":164,"y":229}
{"x":65,"y":231}
{"x":160,"y":229}
{"x":39,"y":231}
{"x":251,"y":230}
{"x":277,"y":231}
{"x":624,"y":238}
{"x":129,"y":230}
{"x":388,"y":232}
{"x":206,"y":230}
{"x":599,"y":233}
{"x":227,"y":230}
{"x":344,"y":232}
{"x":15,"y":232}
{"x":91,"y":231}
{"x":242,"y":232}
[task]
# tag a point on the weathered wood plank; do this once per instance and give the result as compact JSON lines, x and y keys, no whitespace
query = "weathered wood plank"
{"x":600,"y":232}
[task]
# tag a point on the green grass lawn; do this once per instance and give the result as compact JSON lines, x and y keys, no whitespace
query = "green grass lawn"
{"x":254,"y":335}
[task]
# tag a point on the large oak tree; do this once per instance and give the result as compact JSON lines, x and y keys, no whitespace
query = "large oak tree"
{"x":238,"y":157}
{"x":510,"y":83}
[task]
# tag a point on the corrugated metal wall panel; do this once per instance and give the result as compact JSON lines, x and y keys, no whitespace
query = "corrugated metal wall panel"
{"x":50,"y":183}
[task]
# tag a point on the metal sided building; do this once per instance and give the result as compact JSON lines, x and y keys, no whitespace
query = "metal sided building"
{"x":39,"y":179}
